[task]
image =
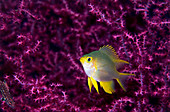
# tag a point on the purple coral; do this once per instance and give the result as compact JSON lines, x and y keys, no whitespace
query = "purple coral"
{"x":41,"y":43}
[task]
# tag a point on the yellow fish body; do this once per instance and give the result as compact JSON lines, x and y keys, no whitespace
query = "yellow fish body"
{"x":102,"y":66}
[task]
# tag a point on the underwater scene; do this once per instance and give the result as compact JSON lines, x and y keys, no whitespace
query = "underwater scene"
{"x":84,"y":56}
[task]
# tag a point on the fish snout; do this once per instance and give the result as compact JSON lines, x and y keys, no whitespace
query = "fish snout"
{"x":82,"y":60}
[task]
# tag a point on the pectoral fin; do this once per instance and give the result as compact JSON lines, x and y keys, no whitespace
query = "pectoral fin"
{"x":89,"y":83}
{"x":94,"y":82}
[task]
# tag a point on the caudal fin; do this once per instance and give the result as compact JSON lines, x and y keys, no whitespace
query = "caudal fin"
{"x":126,"y":74}
{"x":122,"y":78}
{"x":108,"y":86}
{"x":119,"y":63}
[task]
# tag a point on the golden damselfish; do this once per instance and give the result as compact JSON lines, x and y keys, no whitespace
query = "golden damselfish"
{"x":101,"y":66}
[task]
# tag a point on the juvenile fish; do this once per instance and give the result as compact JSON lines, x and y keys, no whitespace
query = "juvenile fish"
{"x":6,"y":96}
{"x":101,"y":66}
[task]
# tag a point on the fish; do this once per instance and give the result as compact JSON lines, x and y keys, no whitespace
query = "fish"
{"x":101,"y":67}
{"x":6,"y":96}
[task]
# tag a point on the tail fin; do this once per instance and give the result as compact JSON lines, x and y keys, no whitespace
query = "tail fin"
{"x":108,"y":86}
{"x":121,"y":79}
{"x":119,"y":63}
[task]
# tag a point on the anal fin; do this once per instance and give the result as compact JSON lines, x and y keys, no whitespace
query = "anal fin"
{"x":108,"y":86}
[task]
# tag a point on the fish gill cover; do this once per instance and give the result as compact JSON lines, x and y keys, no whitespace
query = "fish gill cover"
{"x":41,"y":42}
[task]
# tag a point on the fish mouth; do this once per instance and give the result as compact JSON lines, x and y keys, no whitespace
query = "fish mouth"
{"x":82,"y":60}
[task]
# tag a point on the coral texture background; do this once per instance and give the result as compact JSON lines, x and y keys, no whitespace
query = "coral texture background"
{"x":41,"y":42}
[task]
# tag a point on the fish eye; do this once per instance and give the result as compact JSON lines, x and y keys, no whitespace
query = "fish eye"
{"x":89,"y":59}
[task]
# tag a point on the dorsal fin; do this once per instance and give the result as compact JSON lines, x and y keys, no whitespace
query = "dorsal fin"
{"x":109,"y":50}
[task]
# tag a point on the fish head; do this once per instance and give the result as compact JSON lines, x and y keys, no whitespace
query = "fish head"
{"x":88,"y":63}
